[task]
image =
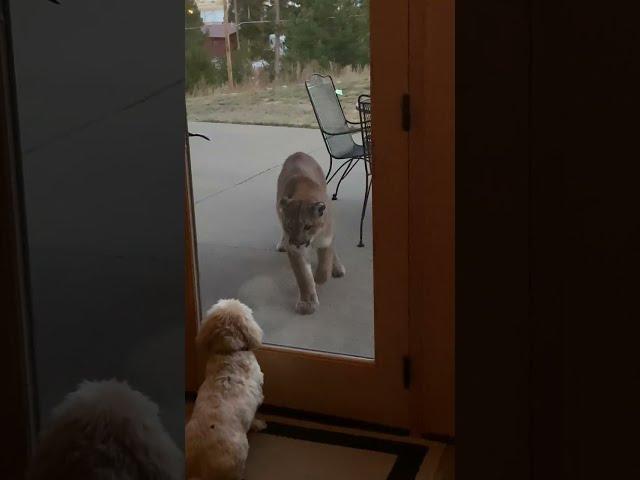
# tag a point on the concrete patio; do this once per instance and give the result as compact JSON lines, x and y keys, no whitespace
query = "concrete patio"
{"x":234,"y":183}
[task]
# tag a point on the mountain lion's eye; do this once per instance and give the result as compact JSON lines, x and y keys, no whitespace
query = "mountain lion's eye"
{"x":307,"y":227}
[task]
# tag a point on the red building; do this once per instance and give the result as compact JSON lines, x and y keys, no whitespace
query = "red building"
{"x":215,"y":38}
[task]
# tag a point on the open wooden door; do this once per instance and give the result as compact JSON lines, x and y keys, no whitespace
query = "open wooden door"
{"x":192,"y":300}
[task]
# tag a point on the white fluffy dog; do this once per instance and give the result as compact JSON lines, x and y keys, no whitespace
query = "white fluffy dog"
{"x":106,"y":430}
{"x":224,"y":411}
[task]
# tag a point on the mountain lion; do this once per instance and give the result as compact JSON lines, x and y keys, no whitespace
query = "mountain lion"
{"x":306,"y":219}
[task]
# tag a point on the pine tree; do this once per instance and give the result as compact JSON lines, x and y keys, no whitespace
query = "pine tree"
{"x":329,"y":31}
{"x":255,"y":36}
{"x":199,"y":68}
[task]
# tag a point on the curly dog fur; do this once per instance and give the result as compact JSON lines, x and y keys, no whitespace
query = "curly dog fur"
{"x":224,"y":411}
{"x":106,"y":430}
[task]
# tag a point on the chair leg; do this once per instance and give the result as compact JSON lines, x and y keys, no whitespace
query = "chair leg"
{"x":352,"y":163}
{"x":330,"y":168}
{"x":367,"y":190}
{"x":347,"y":163}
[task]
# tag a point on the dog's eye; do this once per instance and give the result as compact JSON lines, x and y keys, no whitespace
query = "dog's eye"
{"x":307,"y":227}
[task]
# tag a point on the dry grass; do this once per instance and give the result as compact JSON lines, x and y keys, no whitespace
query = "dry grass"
{"x":285,"y":104}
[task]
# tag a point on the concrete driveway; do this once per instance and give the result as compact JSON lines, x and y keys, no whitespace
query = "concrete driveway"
{"x":234,"y":180}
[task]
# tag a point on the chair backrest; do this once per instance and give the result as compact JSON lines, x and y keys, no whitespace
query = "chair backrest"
{"x":329,"y":113}
{"x":364,"y":109}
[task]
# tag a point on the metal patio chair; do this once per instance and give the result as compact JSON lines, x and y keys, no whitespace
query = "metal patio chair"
{"x":364,"y":109}
{"x":337,"y":131}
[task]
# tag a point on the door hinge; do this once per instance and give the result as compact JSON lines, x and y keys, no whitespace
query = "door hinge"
{"x":406,"y":112}
{"x":406,"y":372}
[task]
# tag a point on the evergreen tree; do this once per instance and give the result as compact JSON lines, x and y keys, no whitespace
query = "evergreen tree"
{"x":199,"y":68}
{"x":329,"y":31}
{"x":254,"y":35}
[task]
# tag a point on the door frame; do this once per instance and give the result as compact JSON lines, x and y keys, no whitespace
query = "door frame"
{"x":432,"y":216}
{"x":192,"y":292}
{"x":423,"y":259}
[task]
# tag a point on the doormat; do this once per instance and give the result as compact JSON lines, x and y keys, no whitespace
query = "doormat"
{"x":286,"y":452}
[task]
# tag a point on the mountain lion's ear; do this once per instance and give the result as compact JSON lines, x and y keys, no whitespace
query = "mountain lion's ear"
{"x":319,"y":208}
{"x":284,"y":201}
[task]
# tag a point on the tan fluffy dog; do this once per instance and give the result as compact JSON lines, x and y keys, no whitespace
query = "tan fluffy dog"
{"x":216,"y":435}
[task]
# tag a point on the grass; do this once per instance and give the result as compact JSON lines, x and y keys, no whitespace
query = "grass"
{"x":281,"y":104}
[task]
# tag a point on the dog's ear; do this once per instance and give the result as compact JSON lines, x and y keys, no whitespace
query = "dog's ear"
{"x":228,"y":327}
{"x":250,"y":330}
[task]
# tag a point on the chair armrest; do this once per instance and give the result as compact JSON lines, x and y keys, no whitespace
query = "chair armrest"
{"x":343,"y":132}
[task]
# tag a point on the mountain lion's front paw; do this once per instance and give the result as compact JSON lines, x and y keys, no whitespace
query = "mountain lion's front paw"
{"x":305,"y":307}
{"x":321,"y":276}
{"x":338,"y":271}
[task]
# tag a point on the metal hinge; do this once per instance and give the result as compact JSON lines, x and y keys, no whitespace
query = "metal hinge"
{"x":406,"y":112}
{"x":406,"y":371}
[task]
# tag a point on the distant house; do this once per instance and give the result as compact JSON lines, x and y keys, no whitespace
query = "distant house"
{"x":215,"y":38}
{"x":212,"y":16}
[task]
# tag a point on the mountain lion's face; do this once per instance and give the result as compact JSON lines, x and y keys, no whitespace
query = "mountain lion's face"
{"x":301,"y":220}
